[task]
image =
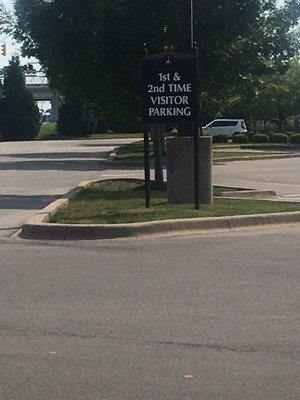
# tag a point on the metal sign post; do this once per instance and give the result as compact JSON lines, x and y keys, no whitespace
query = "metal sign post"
{"x":170,"y":96}
{"x":196,"y":167}
{"x":147,"y":166}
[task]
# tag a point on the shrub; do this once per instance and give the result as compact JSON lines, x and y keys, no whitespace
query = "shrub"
{"x":250,"y":136}
{"x":220,"y":139}
{"x":240,"y":138}
{"x":260,"y":138}
{"x":101,"y":125}
{"x":124,"y":121}
{"x":279,"y":138}
{"x":289,"y":133}
{"x":295,"y":139}
{"x":20,"y":117}
{"x":75,"y":119}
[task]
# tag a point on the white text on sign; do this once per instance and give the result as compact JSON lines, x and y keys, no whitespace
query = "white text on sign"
{"x":170,"y":100}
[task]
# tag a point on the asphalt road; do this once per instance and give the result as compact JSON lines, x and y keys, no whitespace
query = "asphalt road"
{"x":33,"y":174}
{"x":203,"y":317}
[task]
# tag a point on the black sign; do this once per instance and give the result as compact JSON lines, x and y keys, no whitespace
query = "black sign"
{"x":170,"y":89}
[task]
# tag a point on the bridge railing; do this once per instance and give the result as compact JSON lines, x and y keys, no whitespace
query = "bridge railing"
{"x":36,"y":80}
{"x":33,"y":80}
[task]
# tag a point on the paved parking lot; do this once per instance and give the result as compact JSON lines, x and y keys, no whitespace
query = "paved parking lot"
{"x":281,"y":175}
{"x":32,"y":174}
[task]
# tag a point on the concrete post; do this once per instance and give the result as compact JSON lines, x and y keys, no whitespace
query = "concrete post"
{"x":55,"y":103}
{"x":180,"y":170}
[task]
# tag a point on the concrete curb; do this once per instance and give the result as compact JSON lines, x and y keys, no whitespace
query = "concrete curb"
{"x":38,"y":227}
{"x":42,"y":217}
{"x":111,"y":161}
{"x":266,"y":146}
{"x":250,"y":194}
{"x":253,"y":158}
{"x":111,"y":156}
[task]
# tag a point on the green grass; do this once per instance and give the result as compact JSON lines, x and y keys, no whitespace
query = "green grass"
{"x":48,"y":132}
{"x":120,"y":201}
{"x":115,"y":135}
{"x":229,"y":145}
{"x":135,"y":152}
{"x":239,"y":154}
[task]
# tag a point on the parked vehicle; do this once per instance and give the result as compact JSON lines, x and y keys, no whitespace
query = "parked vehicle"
{"x":46,"y":116}
{"x":225,"y":127}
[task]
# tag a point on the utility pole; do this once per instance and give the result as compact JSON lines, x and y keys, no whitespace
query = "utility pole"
{"x":192,"y":25}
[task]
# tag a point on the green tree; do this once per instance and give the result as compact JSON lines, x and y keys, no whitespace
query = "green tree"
{"x":273,"y":101}
{"x":20,"y":115}
{"x":7,"y":22}
{"x":274,"y":97}
{"x":1,"y":108}
{"x":75,"y":119}
{"x":293,"y":77}
{"x":92,"y":49}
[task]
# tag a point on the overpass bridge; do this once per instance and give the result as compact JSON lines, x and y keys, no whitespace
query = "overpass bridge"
{"x":38,"y":85}
{"x":41,"y":91}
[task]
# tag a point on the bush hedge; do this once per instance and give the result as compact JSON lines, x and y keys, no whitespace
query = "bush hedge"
{"x":74,"y":119}
{"x":279,"y":138}
{"x":240,"y":138}
{"x":260,"y":138}
{"x":220,"y":139}
{"x":295,"y":139}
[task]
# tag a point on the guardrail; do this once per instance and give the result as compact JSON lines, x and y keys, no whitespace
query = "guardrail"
{"x":35,"y":80}
{"x":32,"y":80}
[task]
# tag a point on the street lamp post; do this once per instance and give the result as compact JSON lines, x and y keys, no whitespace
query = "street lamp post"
{"x":188,"y":25}
{"x":192,"y":25}
{"x":195,"y":125}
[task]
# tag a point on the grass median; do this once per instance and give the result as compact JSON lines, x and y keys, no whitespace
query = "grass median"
{"x":48,"y":132}
{"x":122,"y":201}
{"x":134,"y":152}
{"x":239,"y":154}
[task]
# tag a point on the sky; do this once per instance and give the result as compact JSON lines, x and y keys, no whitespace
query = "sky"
{"x":12,"y":48}
{"x":7,"y":2}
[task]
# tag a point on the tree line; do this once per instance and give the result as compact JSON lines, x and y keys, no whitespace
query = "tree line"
{"x":248,"y":54}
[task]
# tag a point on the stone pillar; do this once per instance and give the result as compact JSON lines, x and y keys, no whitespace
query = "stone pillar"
{"x":180,"y":170}
{"x":55,"y":104}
